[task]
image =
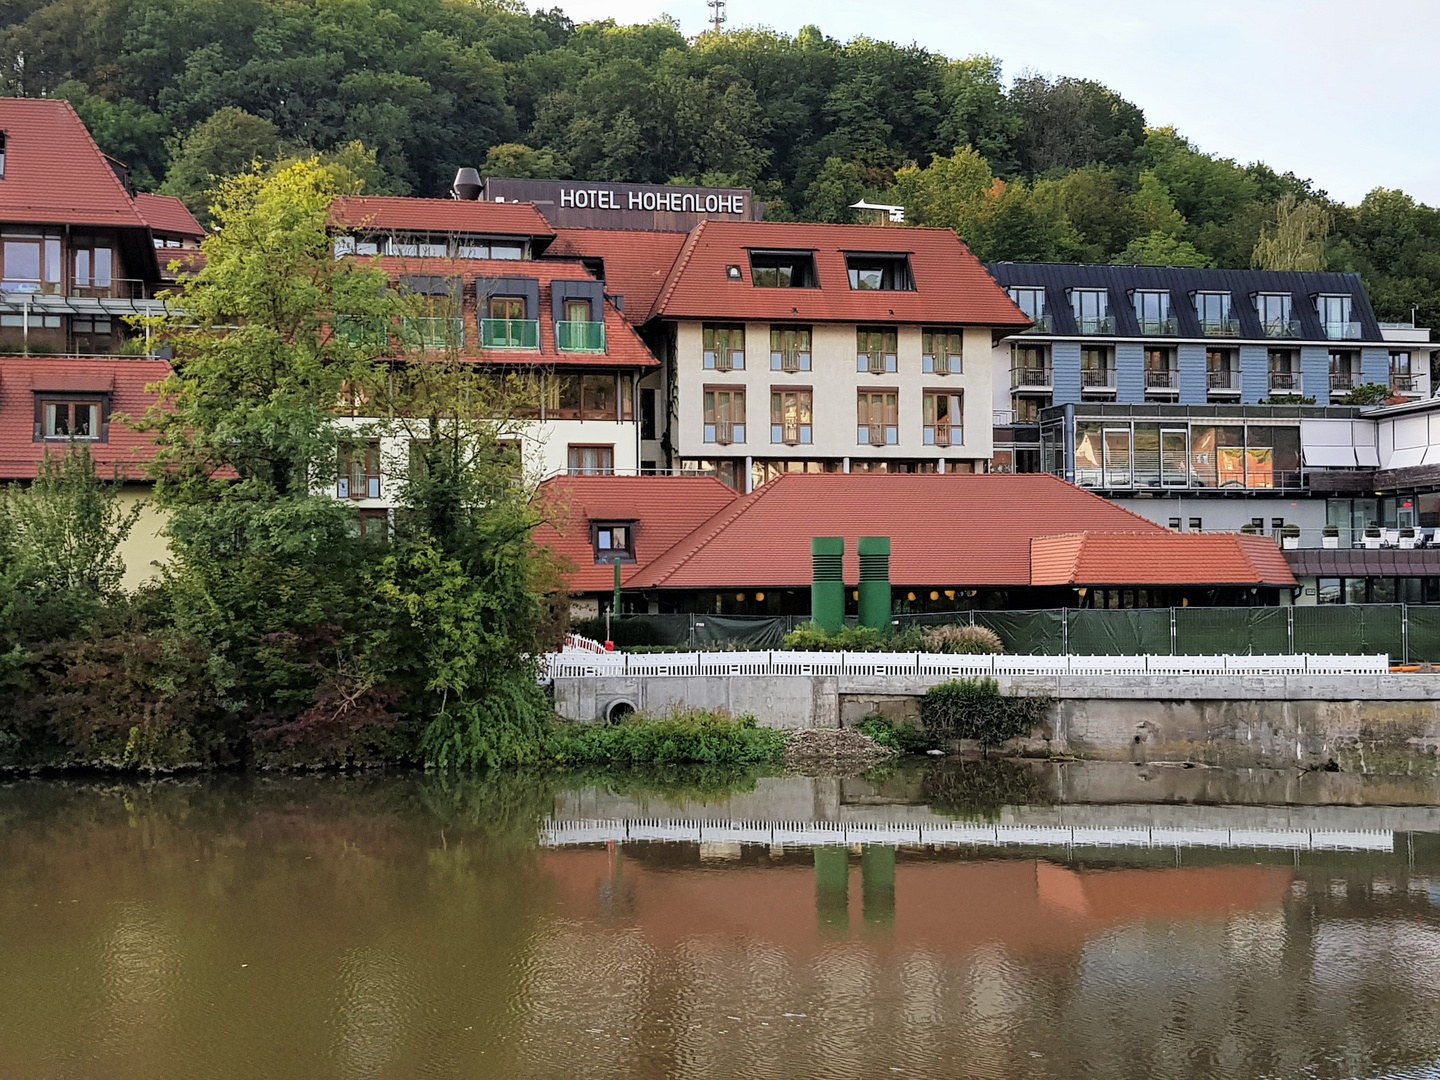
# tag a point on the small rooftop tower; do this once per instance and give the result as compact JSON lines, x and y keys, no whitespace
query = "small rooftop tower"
{"x":717,"y":13}
{"x":467,"y":185}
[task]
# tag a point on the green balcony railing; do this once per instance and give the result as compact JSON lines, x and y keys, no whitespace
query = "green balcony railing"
{"x":580,"y":336}
{"x":1219,"y":327}
{"x":1103,"y":324}
{"x":433,"y":333}
{"x":509,"y":333}
{"x":1157,"y":327}
{"x":363,"y":332}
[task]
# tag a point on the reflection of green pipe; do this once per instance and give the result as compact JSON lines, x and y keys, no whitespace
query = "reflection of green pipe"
{"x":877,"y":877}
{"x":832,"y":888}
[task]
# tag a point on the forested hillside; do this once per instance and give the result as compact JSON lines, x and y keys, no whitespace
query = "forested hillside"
{"x":184,"y":90}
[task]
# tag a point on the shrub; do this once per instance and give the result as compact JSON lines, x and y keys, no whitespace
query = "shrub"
{"x":961,"y":639}
{"x":812,"y":638}
{"x":975,"y":709}
{"x":900,"y":737}
{"x":695,"y":737}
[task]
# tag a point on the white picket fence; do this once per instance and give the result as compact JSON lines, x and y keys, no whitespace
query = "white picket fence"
{"x":574,"y":663}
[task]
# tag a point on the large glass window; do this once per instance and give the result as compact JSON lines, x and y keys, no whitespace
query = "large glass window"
{"x":1213,"y":311}
{"x":598,"y":399}
{"x":63,"y":419}
{"x":783,"y":270}
{"x":1147,"y":455}
{"x":1152,"y":312}
{"x":724,"y":348}
{"x":879,"y":418}
{"x":1274,"y":312}
{"x":724,"y":415}
{"x":1089,"y":453}
{"x":1175,"y":457}
{"x":1335,"y":318}
{"x":1029,"y":300}
{"x":940,"y":352}
{"x":875,"y":350}
{"x":791,"y":417}
{"x":944,"y":419}
{"x":591,"y":460}
{"x":1091,"y":308}
{"x":885,"y":273}
{"x":789,"y":348}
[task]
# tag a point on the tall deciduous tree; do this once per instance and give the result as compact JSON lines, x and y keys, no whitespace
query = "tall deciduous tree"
{"x":1297,"y":239}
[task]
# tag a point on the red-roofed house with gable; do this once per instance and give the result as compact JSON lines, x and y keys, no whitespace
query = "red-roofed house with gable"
{"x":957,"y":542}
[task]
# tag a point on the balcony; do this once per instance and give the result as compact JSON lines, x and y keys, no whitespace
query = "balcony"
{"x":586,"y":337}
{"x":433,"y":333}
{"x":1220,"y":327}
{"x":1285,"y":382}
{"x":1095,"y":324}
{"x":510,"y":334}
{"x":1043,"y":324}
{"x":1158,"y":327}
{"x":1404,"y":384}
{"x":1281,"y":328}
{"x":1341,"y":331}
{"x":724,"y":433}
{"x":14,"y":289}
{"x":1162,"y":379}
{"x":1222,"y":381}
{"x":1341,"y":382}
{"x":1097,"y":379}
{"x":791,"y":434}
{"x":943,"y":435}
{"x":1030,"y":378}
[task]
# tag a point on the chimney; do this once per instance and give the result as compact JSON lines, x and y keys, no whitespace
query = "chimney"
{"x":467,"y":185}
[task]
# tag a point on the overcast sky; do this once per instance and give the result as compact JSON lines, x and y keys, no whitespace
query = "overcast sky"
{"x":1343,"y":93}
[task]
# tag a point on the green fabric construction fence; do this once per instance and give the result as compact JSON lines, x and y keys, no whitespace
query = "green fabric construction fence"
{"x":1407,"y":633}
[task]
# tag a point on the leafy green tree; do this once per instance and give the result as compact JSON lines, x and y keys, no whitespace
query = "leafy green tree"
{"x":1297,"y":239}
{"x":227,"y":144}
{"x":519,"y":160}
{"x":1161,"y":249}
{"x":1072,"y":123}
{"x":977,"y":113}
{"x":834,"y":192}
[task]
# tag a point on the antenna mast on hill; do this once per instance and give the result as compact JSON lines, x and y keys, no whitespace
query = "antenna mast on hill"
{"x":717,"y":16}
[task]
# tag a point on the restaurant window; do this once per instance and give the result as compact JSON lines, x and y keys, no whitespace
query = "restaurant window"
{"x":82,"y":418}
{"x":783,"y":270}
{"x":614,"y":541}
{"x":879,"y":418}
{"x":883,"y":273}
{"x":941,"y":351}
{"x":789,"y":348}
{"x":875,"y":351}
{"x":944,"y":419}
{"x":1328,"y":591}
{"x":360,"y":471}
{"x":724,"y":415}
{"x":724,"y":348}
{"x":791,"y":417}
{"x":1217,"y":456}
{"x":591,"y":460}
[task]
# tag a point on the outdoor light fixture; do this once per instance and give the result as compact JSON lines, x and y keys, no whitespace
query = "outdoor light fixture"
{"x":740,"y":596}
{"x":910,"y":596}
{"x":934,"y":596}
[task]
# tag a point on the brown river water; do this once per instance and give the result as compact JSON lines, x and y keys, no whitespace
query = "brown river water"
{"x":937,"y":920}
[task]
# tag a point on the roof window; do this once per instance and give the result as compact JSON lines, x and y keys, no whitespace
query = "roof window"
{"x":783,"y":270}
{"x":883,"y":273}
{"x":732,"y":273}
{"x":614,"y":541}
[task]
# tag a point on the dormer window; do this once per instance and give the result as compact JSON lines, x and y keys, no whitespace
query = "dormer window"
{"x":1031,"y":301}
{"x":880,"y":273}
{"x":1091,"y":308}
{"x":1336,"y":318}
{"x":1213,"y":311}
{"x":614,"y":541}
{"x":1275,"y":315}
{"x":783,"y":270}
{"x":1152,"y":312}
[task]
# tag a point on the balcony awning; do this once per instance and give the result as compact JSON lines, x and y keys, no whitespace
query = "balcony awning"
{"x":44,"y":304}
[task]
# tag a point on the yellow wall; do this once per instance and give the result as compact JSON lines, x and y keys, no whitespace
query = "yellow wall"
{"x":145,"y":546}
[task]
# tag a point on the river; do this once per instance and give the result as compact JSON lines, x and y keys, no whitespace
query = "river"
{"x":936,"y":919}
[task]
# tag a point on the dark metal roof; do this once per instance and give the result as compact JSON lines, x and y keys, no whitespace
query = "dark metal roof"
{"x":1054,"y":413}
{"x":1181,"y":282}
{"x":1364,"y":562}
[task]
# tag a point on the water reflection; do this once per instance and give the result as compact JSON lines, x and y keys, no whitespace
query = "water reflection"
{"x":400,"y":927}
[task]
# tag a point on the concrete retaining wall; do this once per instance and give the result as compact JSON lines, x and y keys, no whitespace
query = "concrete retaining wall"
{"x":1272,"y":721}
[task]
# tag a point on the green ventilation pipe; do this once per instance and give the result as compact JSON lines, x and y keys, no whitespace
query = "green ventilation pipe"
{"x":875,"y":582}
{"x":827,"y":587}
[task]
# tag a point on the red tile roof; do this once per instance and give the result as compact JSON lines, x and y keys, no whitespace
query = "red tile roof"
{"x":126,"y":451}
{"x":439,"y":215}
{"x":636,"y":263}
{"x":1157,"y":558}
{"x":169,"y":216}
{"x":666,"y":508}
{"x":945,"y":529}
{"x":54,"y":172}
{"x":950,"y":284}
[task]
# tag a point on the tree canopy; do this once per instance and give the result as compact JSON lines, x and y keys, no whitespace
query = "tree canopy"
{"x":187,"y":91}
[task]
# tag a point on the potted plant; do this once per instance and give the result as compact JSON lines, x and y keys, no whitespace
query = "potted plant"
{"x":1249,"y":529}
{"x":1330,"y":536}
{"x":1290,"y":537}
{"x":1372,"y":536}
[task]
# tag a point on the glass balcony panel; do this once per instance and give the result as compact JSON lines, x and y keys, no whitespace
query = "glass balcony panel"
{"x":509,"y":333}
{"x":1342,"y":331}
{"x":1158,"y":327}
{"x":574,"y":336}
{"x":1043,"y":324}
{"x":1219,"y":327}
{"x":1282,"y":328}
{"x":1102,"y":324}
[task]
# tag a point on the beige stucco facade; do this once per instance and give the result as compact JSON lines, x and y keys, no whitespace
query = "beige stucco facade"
{"x":146,"y":550}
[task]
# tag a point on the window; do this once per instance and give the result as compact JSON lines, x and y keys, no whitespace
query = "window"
{"x":724,"y":415}
{"x":1028,"y":367}
{"x":791,"y":418}
{"x":359,"y":472}
{"x":1031,"y":301}
{"x":505,"y":326}
{"x":1159,"y":373}
{"x":724,"y":348}
{"x":1401,"y":378}
{"x":374,"y":524}
{"x":1283,"y":376}
{"x":783,"y":270}
{"x":1274,"y":312}
{"x":789,"y":348}
{"x":614,"y":541}
{"x":1335,"y":318}
{"x":1220,"y":371}
{"x":2,"y":155}
{"x":1095,"y":369}
{"x":732,"y":273}
{"x":879,"y":418}
{"x":885,"y":273}
{"x":64,"y":418}
{"x":598,"y":399}
{"x":1091,"y":308}
{"x":591,"y":460}
{"x":1195,"y":525}
{"x":944,"y":419}
{"x":941,"y":352}
{"x":1213,"y":311}
{"x":1342,"y":371}
{"x":1174,"y":524}
{"x":1329,"y":591}
{"x":875,"y":351}
{"x":94,"y":266}
{"x":1152,"y":312}
{"x":577,"y":310}
{"x":32,"y":263}
{"x":1025,"y":409}
{"x":647,"y":413}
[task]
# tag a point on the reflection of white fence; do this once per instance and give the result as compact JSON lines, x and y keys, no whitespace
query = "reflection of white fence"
{"x":959,"y":834}
{"x":574,"y":663}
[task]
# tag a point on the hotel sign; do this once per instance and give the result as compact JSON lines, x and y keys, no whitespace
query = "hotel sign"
{"x":658,"y":207}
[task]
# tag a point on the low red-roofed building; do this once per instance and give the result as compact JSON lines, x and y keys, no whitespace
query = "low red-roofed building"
{"x":957,"y":542}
